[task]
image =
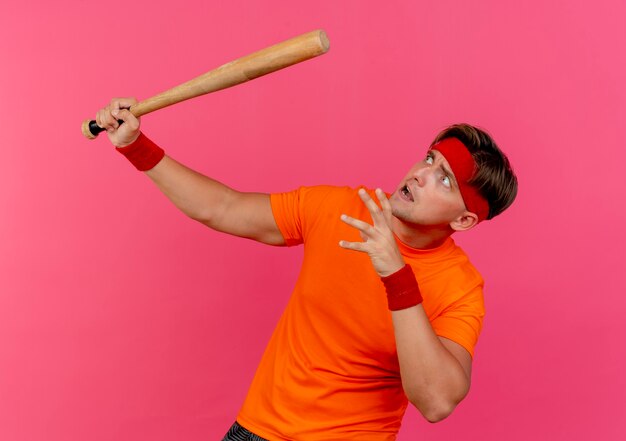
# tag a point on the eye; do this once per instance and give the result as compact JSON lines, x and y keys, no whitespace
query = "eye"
{"x":446,"y":181}
{"x":429,"y":159}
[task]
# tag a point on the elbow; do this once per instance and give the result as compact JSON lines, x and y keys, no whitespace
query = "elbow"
{"x":434,"y":413}
{"x":206,"y":215}
{"x":203,"y":218}
{"x":214,"y":213}
{"x":438,"y":414}
{"x":437,"y":409}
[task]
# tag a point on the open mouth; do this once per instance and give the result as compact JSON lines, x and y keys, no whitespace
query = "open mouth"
{"x":406,"y":193}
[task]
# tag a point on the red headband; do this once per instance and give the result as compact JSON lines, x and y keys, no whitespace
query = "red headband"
{"x":463,"y":165}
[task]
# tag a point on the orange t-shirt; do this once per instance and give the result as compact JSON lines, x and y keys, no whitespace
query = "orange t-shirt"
{"x":330,"y":370}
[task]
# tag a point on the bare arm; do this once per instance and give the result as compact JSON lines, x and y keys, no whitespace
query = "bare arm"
{"x":435,"y":371}
{"x":215,"y":204}
{"x":201,"y":198}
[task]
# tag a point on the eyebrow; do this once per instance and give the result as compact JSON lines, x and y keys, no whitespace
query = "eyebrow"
{"x":445,"y":170}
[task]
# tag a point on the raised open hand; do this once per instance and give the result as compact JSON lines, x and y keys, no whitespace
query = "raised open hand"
{"x":378,"y":239}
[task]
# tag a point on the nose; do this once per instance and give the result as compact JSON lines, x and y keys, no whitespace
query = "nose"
{"x":421,"y":175}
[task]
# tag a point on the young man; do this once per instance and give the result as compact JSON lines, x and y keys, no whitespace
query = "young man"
{"x":386,"y":310}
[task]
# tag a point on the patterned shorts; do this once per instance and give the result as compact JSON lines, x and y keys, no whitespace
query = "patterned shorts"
{"x":239,"y":433}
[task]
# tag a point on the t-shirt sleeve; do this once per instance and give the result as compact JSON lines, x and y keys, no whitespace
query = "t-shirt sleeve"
{"x":296,"y":211}
{"x":462,"y":321}
{"x":286,"y":210}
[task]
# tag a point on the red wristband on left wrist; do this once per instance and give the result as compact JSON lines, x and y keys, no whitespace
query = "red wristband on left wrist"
{"x":402,"y":289}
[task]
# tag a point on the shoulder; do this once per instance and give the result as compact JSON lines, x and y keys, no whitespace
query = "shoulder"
{"x":449,"y":279}
{"x":319,"y":196}
{"x":332,"y":191}
{"x":449,"y":264}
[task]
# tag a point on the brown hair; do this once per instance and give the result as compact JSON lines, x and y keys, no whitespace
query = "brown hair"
{"x":494,"y":177}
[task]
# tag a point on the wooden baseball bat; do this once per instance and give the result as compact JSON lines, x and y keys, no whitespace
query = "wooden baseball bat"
{"x":243,"y":69}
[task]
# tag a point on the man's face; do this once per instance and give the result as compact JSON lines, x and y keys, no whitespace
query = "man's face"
{"x":429,"y":194}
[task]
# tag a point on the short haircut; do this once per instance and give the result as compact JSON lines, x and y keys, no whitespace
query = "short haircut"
{"x":494,"y":177}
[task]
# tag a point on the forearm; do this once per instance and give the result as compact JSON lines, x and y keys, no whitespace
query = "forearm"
{"x":198,"y":196}
{"x":433,"y":379}
{"x":204,"y":199}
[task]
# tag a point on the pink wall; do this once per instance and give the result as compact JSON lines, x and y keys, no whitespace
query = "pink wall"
{"x":121,"y":319}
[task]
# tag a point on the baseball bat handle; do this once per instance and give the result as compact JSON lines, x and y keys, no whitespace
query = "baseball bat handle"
{"x":93,"y":129}
{"x":249,"y":67}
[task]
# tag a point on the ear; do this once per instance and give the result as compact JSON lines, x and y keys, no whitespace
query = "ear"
{"x":464,"y":222}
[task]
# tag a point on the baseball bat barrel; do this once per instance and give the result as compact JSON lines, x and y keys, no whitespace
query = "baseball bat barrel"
{"x":249,"y":67}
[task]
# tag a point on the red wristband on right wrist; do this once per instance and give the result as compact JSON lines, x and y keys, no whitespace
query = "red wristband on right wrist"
{"x":143,"y":153}
{"x":402,"y":289}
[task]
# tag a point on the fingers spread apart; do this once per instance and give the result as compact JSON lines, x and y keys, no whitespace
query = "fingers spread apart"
{"x":380,"y":217}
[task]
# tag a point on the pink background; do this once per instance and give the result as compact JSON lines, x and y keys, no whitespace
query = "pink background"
{"x":122,"y":319}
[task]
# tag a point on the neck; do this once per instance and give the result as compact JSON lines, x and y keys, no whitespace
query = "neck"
{"x":419,"y":236}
